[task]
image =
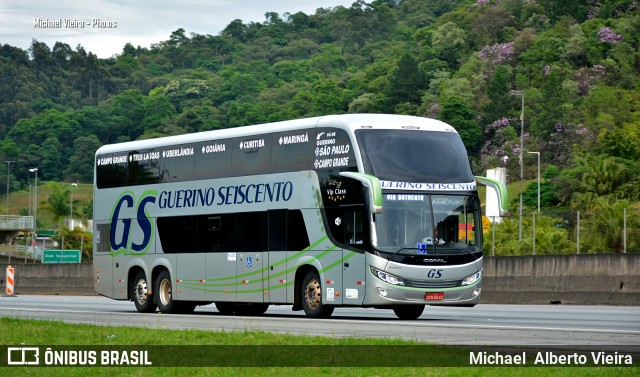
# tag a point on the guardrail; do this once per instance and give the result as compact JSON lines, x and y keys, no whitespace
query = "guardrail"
{"x":32,"y":252}
{"x":16,"y":222}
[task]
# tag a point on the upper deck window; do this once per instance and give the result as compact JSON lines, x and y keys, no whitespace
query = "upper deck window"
{"x":414,"y":156}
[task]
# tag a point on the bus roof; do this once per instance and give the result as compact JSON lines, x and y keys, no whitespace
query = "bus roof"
{"x":348,"y":122}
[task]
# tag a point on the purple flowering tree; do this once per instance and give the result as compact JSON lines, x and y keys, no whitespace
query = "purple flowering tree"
{"x":499,"y":143}
{"x":496,"y":54}
{"x":607,"y":35}
{"x":564,"y":139}
{"x":587,"y":77}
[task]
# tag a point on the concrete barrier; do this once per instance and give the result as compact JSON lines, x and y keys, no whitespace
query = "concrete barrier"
{"x":63,"y":279}
{"x":601,"y":279}
{"x":598,"y":279}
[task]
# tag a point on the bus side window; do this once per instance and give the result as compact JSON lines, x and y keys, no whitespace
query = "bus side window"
{"x":216,"y":233}
{"x":214,"y":223}
{"x":287,"y":231}
{"x":251,"y":231}
{"x":297,"y":236}
{"x":277,"y":230}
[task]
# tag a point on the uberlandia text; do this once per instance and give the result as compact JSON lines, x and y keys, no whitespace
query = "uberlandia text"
{"x":549,"y":358}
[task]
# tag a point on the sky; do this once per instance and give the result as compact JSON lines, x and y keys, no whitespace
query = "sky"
{"x":110,"y":24}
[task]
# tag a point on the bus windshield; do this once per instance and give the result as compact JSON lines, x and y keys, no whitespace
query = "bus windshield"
{"x":414,"y":156}
{"x":419,"y":223}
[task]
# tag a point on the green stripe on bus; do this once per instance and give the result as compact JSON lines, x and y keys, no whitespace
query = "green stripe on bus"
{"x":191,"y":284}
{"x":303,"y":251}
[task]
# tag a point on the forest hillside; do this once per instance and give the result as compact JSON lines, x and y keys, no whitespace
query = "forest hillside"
{"x":568,"y":71}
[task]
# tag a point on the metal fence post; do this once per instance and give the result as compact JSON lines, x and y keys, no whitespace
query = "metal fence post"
{"x":624,"y":230}
{"x":534,"y":234}
{"x":578,"y":235}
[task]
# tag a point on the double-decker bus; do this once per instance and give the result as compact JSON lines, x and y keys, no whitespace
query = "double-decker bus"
{"x":355,"y":210}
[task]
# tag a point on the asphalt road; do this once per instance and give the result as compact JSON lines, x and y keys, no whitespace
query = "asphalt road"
{"x":500,"y":325}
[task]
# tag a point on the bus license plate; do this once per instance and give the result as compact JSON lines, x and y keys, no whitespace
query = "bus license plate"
{"x":434,"y":296}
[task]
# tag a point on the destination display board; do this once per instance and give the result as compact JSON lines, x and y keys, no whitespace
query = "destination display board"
{"x":278,"y":152}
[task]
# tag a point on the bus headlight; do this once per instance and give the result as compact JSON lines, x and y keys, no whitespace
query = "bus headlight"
{"x":472,"y":279}
{"x":388,"y":278}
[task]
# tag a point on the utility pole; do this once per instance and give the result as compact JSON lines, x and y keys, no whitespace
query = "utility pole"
{"x":521,"y":94}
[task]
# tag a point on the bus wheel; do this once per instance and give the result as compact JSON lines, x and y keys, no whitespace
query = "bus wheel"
{"x":163,"y":293}
{"x":311,"y":297}
{"x":139,"y":289}
{"x":408,"y":311}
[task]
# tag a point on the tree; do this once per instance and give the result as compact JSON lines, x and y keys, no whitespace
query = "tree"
{"x":498,"y":92}
{"x":52,"y":163}
{"x":236,"y":29}
{"x":128,"y":108}
{"x":604,"y":226}
{"x":158,"y":112}
{"x":550,"y":239}
{"x":366,"y":103}
{"x":77,"y":239}
{"x":548,"y":196}
{"x":622,"y":141}
{"x":461,"y":116}
{"x":58,"y":202}
{"x":405,"y":82}
{"x":449,"y":43}
{"x":81,"y":162}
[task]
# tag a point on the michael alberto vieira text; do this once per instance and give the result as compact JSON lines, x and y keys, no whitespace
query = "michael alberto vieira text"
{"x":549,"y":358}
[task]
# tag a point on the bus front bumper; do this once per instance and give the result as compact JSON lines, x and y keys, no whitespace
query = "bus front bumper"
{"x":383,"y":294}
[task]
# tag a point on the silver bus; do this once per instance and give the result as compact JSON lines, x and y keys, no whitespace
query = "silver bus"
{"x":362,"y":210}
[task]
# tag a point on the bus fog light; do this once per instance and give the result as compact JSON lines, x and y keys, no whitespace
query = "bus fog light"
{"x":382,"y":292}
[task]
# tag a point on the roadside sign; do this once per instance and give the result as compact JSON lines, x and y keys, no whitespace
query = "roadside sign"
{"x":61,"y":256}
{"x":47,"y":233}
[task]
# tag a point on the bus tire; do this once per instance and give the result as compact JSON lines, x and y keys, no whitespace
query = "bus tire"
{"x":139,"y":289}
{"x":408,"y":311}
{"x":163,"y":295}
{"x":311,"y":297}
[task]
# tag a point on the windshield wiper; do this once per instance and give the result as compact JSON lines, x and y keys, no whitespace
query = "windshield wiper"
{"x":394,"y":253}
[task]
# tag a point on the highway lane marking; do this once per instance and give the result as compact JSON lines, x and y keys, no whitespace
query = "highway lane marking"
{"x":333,"y":321}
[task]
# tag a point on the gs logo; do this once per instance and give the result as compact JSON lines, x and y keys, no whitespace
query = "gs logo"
{"x":120,"y":235}
{"x":434,"y":274}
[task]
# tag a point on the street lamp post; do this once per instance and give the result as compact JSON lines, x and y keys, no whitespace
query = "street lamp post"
{"x":538,"y":153}
{"x":71,"y":211}
{"x":8,"y":172}
{"x":521,"y":94}
{"x":35,"y":208}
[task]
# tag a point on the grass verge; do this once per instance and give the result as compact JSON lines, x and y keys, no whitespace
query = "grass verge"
{"x":259,"y":348}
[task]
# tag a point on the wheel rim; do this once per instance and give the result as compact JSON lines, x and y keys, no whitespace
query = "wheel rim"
{"x":313,"y":294}
{"x":165,"y":291}
{"x":141,"y":291}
